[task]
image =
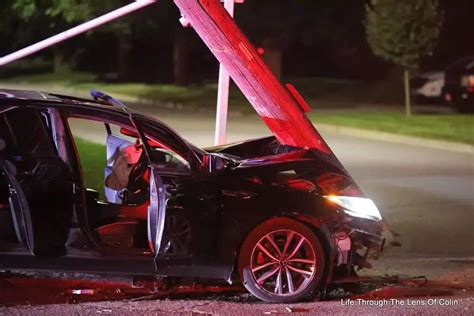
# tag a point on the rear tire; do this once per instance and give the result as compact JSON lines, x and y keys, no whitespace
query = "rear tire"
{"x":282,"y":261}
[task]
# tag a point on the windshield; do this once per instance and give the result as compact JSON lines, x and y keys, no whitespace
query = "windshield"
{"x":199,"y":152}
{"x":166,"y":136}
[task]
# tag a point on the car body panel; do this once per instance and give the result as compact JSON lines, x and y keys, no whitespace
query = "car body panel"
{"x":428,"y":85}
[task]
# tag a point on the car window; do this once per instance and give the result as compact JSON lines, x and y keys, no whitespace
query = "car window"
{"x":164,"y":158}
{"x":29,"y":133}
{"x":177,"y":154}
{"x":5,"y":133}
{"x":97,"y":149}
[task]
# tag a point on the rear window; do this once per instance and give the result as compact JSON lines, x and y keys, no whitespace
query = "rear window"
{"x":26,"y":132}
{"x":4,"y":132}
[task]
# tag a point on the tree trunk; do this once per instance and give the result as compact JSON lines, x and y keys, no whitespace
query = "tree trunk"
{"x":124,"y":48}
{"x":406,"y":79}
{"x":181,"y":55}
{"x":61,"y":61}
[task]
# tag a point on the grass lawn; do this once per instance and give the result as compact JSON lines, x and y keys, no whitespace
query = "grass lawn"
{"x":202,"y":95}
{"x":320,"y":93}
{"x":93,"y":163}
{"x":450,"y":127}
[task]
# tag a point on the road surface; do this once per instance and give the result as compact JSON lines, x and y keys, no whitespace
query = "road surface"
{"x":426,"y":196}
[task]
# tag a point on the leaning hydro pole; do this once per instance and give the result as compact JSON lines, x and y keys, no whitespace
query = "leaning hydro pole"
{"x":281,"y":107}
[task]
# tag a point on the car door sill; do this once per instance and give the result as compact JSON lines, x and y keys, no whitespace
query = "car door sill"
{"x":139,"y":265}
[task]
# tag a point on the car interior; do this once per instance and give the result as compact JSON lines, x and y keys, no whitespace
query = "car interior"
{"x":116,"y":209}
{"x":118,"y":216}
{"x":41,"y":176}
{"x":7,"y":231}
{"x":5,"y":221}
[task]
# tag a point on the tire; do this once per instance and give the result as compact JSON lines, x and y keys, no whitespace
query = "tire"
{"x":266,"y":271}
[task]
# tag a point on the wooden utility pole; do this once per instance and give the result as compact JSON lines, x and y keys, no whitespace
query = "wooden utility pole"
{"x":275,"y":104}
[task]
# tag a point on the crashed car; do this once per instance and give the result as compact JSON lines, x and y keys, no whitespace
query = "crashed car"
{"x":427,"y":87}
{"x":283,"y":220}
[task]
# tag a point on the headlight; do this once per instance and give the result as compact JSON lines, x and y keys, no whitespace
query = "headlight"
{"x":356,"y":206}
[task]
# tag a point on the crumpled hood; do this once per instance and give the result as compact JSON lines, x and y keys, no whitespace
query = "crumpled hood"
{"x":263,"y":155}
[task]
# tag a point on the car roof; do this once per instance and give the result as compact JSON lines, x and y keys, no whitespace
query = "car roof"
{"x":39,"y":98}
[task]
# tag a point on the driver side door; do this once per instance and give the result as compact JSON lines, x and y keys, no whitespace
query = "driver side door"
{"x":183,"y":213}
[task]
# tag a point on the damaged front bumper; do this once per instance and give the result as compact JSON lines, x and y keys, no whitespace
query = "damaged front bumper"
{"x":356,"y":241}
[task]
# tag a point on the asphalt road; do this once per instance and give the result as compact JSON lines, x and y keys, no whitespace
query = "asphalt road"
{"x":426,"y":196}
{"x":395,"y":307}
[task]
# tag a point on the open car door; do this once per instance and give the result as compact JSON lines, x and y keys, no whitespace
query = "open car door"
{"x":18,"y":204}
{"x":156,"y":212}
{"x":171,"y":161}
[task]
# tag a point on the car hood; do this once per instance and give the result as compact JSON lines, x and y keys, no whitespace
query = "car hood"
{"x":267,"y":155}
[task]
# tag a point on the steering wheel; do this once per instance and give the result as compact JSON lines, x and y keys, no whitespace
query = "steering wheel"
{"x":137,"y":188}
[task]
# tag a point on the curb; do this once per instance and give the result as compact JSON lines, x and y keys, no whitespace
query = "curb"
{"x":395,"y":138}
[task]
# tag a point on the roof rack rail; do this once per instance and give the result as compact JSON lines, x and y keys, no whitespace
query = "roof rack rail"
{"x":99,"y":95}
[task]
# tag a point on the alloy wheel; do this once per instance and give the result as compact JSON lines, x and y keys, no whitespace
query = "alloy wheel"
{"x":283,"y":262}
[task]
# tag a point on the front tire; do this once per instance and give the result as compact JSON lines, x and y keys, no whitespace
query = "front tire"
{"x":282,"y":261}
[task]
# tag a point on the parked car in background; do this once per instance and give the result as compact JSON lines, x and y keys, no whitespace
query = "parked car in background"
{"x":458,"y":90}
{"x":427,"y":87}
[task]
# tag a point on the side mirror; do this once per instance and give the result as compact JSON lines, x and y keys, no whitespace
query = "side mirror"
{"x":213,"y":163}
{"x":127,"y":132}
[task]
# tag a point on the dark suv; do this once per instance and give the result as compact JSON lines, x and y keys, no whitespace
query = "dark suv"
{"x":458,"y":88}
{"x":280,"y":218}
